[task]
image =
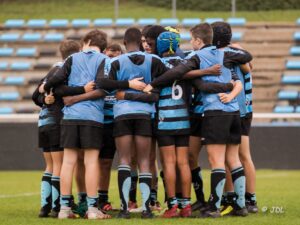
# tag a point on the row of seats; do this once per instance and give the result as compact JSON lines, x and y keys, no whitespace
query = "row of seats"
{"x":13,"y":80}
{"x":288,"y":95}
{"x":295,"y":51}
{"x":23,"y":65}
{"x":292,"y":64}
{"x":286,"y":109}
{"x":11,"y":110}
{"x":20,"y":52}
{"x":236,"y":36}
{"x":120,"y":22}
{"x":290,"y":79}
{"x":31,"y":37}
{"x":9,"y":96}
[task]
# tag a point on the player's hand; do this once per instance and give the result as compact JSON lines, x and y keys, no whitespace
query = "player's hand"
{"x":148,"y":88}
{"x":137,"y":84}
{"x":89,"y":86}
{"x":215,"y":69}
{"x":41,"y":88}
{"x":120,"y":95}
{"x":225,"y":98}
{"x":235,"y":45}
{"x":49,"y":99}
{"x":68,"y":100}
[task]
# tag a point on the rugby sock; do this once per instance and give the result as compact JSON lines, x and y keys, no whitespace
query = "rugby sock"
{"x":217,"y":182}
{"x":134,"y":180}
{"x":103,"y":196}
{"x":161,"y":174}
{"x":250,"y":197}
{"x":153,"y":195}
{"x":46,"y":192}
{"x":172,"y":202}
{"x":185,"y":202}
{"x":239,"y":183}
{"x":55,"y":181}
{"x":179,"y":199}
{"x":145,"y":184}
{"x":92,"y":201}
{"x":65,"y":200}
{"x":124,"y":183}
{"x":198,"y":184}
{"x":82,"y":197}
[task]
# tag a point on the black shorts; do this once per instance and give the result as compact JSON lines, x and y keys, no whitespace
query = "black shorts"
{"x":109,"y":147}
{"x":221,"y":129}
{"x":196,"y":125}
{"x":81,"y":136}
{"x":169,"y":140}
{"x":49,"y":138}
{"x":246,"y":124}
{"x":141,"y":127}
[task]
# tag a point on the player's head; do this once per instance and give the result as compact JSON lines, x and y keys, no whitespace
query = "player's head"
{"x":151,"y":37}
{"x":145,"y":47}
{"x":222,"y":34}
{"x":132,"y":36}
{"x":167,"y":42}
{"x":113,"y":50}
{"x":202,"y":34}
{"x":95,"y":38}
{"x":68,"y":48}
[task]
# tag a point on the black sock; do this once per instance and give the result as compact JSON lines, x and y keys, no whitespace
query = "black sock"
{"x":82,"y":197}
{"x":124,"y":183}
{"x":239,"y":183}
{"x":161,"y":174}
{"x":250,"y":197}
{"x":145,"y":185}
{"x":134,"y":180}
{"x":103,"y":196}
{"x":46,"y":192}
{"x":153,"y":196}
{"x":65,"y":200}
{"x":55,"y":182}
{"x":172,"y":202}
{"x":217,"y":182}
{"x":198,"y":184}
{"x":179,"y":199}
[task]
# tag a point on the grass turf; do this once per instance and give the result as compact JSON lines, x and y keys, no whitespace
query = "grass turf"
{"x":70,"y":9}
{"x":19,"y":201}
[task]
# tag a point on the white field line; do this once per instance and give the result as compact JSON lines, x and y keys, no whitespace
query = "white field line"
{"x":20,"y":195}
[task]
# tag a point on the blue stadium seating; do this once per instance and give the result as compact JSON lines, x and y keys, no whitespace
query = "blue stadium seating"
{"x":290,"y":79}
{"x":298,"y":21}
{"x":14,"y":81}
{"x":81,"y":22}
{"x":26,"y":52}
{"x":292,"y":65}
{"x":190,"y":22}
{"x":287,"y":95}
{"x":6,"y":51}
{"x":297,"y":110}
{"x":14,"y":23}
{"x":237,"y":36}
{"x":54,"y":37}
{"x":236,"y":21}
{"x":185,"y":36}
{"x":169,"y":22}
{"x":297,"y":36}
{"x":35,"y":23}
{"x":212,"y":20}
{"x":31,"y":37}
{"x":147,"y":21}
{"x":283,"y":109}
{"x":295,"y":50}
{"x":58,"y":23}
{"x":9,"y":37}
{"x":105,"y":22}
{"x":20,"y":66}
{"x":6,"y":110}
{"x":3,"y":65}
{"x":124,"y":22}
{"x":9,"y":96}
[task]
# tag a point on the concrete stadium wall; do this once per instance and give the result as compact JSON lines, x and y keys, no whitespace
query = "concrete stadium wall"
{"x":273,"y":147}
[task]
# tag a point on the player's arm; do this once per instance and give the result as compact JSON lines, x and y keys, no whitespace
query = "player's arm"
{"x":92,"y":95}
{"x":151,"y":97}
{"x":64,"y":90}
{"x":237,"y":57}
{"x":246,"y":68}
{"x":38,"y":98}
{"x":237,"y":88}
{"x":212,"y":88}
{"x":213,"y":71}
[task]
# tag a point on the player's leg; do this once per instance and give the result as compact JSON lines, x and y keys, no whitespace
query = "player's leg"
{"x":132,"y":204}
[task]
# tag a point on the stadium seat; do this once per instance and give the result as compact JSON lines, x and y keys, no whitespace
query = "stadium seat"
{"x":54,"y":37}
{"x":9,"y":37}
{"x":58,"y":23}
{"x":190,"y":22}
{"x":42,"y":66}
{"x":20,"y":66}
{"x":237,"y":36}
{"x":81,"y":22}
{"x":295,"y":50}
{"x":292,"y":65}
{"x":169,"y":22}
{"x":105,"y":22}
{"x":297,"y":110}
{"x":298,"y":21}
{"x":6,"y":51}
{"x":25,"y":110}
{"x":290,"y":79}
{"x":34,"y":23}
{"x":3,"y":65}
{"x":212,"y":20}
{"x":297,"y":36}
{"x":9,"y":96}
{"x":26,"y":52}
{"x":147,"y":21}
{"x":283,"y":109}
{"x":236,"y":21}
{"x":185,"y":36}
{"x":14,"y":23}
{"x":287,"y":95}
{"x":6,"y":110}
{"x":14,"y":81}
{"x":31,"y":37}
{"x":124,"y":22}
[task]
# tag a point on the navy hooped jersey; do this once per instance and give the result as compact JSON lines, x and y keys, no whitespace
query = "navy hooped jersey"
{"x":173,"y":115}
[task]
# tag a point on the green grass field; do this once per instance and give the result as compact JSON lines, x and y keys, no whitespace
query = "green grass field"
{"x":92,"y":9}
{"x":19,"y":201}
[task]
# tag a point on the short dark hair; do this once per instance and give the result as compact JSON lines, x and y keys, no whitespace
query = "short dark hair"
{"x":114,"y":47}
{"x":69,"y":47}
{"x":222,"y":34}
{"x":154,"y":31}
{"x":133,"y":35}
{"x":204,"y":32}
{"x":97,"y":38}
{"x":145,"y":30}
